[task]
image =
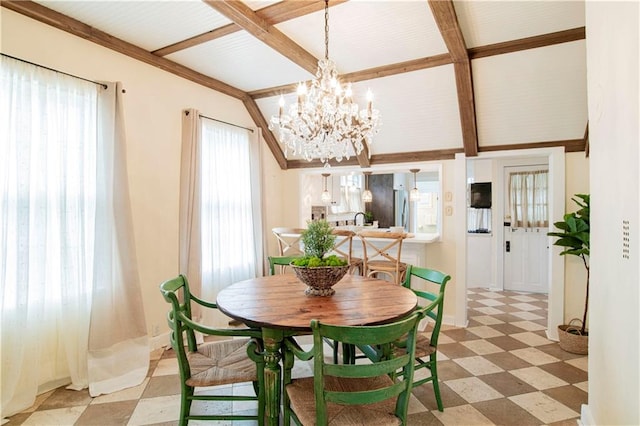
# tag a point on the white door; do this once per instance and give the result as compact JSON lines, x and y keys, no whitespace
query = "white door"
{"x":525,"y":250}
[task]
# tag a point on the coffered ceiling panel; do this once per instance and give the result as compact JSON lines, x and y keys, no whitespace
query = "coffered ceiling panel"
{"x":148,"y":24}
{"x":396,"y":31}
{"x":241,"y":60}
{"x":533,"y":95}
{"x":488,"y":22}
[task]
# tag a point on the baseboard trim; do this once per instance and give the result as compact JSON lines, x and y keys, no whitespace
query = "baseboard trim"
{"x":586,"y":419}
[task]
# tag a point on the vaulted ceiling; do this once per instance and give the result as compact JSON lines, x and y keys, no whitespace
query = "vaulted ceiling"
{"x":448,"y":76}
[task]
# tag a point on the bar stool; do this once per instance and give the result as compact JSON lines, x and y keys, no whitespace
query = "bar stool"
{"x":289,"y":241}
{"x":383,"y":257}
{"x":344,"y":247}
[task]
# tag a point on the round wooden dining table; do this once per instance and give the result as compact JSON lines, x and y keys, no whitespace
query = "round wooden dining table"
{"x":278,"y":306}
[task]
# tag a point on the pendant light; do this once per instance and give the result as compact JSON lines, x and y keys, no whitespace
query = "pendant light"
{"x":367,"y":196}
{"x":326,"y":196}
{"x":414,"y":194}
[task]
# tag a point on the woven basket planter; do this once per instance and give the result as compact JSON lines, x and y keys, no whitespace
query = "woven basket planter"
{"x":571,"y":340}
{"x":320,"y":280}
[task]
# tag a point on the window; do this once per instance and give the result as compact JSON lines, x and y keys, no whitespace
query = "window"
{"x":227,"y":233}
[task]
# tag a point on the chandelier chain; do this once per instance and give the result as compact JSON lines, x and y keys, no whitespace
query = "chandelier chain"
{"x":326,"y":29}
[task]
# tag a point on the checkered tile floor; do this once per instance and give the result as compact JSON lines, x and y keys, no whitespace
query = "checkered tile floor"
{"x":499,"y":370}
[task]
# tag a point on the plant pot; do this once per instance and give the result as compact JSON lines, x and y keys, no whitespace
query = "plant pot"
{"x":320,"y":280}
{"x":572,"y":341}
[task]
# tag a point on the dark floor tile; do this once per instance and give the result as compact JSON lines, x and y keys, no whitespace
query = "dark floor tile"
{"x":152,"y":366}
{"x":162,"y":386}
{"x":62,"y":397}
{"x":460,"y":334}
{"x":456,"y":350}
{"x":504,"y":412}
{"x":507,"y":361}
{"x":423,"y":419}
{"x":449,"y":370}
{"x":507,"y":309}
{"x":566,"y":372}
{"x":113,"y":413}
{"x":570,"y":396}
{"x":507,"y":384}
{"x":424,"y":393}
{"x":506,"y":342}
{"x":508,"y":328}
{"x":555,"y":350}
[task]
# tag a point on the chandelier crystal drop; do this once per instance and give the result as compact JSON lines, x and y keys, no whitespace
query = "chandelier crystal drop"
{"x":325,"y":122}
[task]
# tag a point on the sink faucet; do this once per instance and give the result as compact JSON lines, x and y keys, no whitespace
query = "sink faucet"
{"x":355,"y":218}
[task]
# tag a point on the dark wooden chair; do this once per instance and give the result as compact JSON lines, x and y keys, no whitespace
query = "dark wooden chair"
{"x":211,"y":364}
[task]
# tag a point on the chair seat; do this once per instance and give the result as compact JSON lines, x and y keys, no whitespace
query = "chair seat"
{"x":220,"y":363}
{"x":423,"y":345}
{"x":302,"y":401}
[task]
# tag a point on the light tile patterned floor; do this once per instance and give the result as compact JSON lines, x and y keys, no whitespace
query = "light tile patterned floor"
{"x":500,"y":370}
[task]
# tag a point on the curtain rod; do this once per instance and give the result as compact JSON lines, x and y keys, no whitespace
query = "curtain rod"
{"x":225,"y":122}
{"x":55,"y":70}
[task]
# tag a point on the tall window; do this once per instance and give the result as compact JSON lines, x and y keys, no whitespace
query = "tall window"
{"x":228,"y":238}
{"x":61,"y":228}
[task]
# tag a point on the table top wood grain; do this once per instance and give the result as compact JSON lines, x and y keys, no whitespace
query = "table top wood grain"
{"x":278,"y":301}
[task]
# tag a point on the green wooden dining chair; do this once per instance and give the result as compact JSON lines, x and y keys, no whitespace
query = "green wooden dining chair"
{"x":351,"y":394}
{"x":216,"y":363}
{"x":282,"y":261}
{"x":433,"y":307}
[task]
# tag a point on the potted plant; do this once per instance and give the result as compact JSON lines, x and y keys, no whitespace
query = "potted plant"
{"x":573,"y":236}
{"x":318,"y":271}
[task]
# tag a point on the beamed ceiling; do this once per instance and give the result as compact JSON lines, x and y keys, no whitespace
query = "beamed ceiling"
{"x":448,"y":76}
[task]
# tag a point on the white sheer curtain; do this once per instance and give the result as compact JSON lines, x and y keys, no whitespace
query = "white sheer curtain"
{"x":221,"y":163}
{"x":528,"y":203}
{"x":50,"y":200}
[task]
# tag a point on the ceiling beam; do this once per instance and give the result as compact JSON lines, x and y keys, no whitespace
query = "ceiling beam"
{"x":528,"y":43}
{"x":368,"y":74}
{"x":272,"y":14}
{"x":569,"y":145}
{"x":62,"y":22}
{"x":257,"y":26}
{"x":445,"y":17}
{"x":363,"y":157}
{"x":269,"y":138}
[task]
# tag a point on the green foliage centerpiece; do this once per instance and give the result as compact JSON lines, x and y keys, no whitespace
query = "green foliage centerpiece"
{"x":318,"y":271}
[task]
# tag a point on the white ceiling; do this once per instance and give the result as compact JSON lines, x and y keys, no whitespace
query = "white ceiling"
{"x":528,"y":96}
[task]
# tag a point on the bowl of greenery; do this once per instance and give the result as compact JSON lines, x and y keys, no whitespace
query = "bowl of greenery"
{"x":315,"y":269}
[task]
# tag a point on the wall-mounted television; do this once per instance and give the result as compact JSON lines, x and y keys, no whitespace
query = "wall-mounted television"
{"x":480,"y":195}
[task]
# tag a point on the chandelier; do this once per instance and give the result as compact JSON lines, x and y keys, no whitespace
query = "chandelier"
{"x":325,"y":122}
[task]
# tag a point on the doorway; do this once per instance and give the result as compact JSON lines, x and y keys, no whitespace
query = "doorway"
{"x":555,"y":159}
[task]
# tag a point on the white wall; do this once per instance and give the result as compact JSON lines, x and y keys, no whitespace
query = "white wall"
{"x":153,"y":103}
{"x":613,"y":73}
